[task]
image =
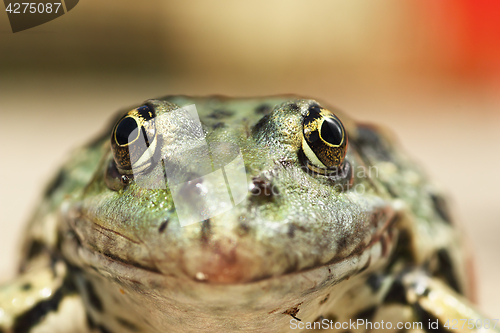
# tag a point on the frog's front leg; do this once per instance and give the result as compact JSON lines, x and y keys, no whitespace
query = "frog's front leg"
{"x":440,"y":307}
{"x":42,"y":299}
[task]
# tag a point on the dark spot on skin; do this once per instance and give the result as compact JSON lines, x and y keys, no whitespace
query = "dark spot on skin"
{"x":367,"y":314}
{"x":396,"y":294}
{"x":127,"y":324}
{"x":403,"y":249}
{"x":293,"y":106}
{"x":293,"y":311}
{"x":56,"y":183}
{"x":33,"y":316}
{"x":446,"y":270}
{"x":244,"y":227}
{"x":163,"y":226}
{"x":441,"y":207}
{"x":67,"y":235}
{"x":373,"y":148}
{"x":94,"y":300}
{"x":260,"y":124}
{"x":220,"y":113}
{"x":371,"y":143}
{"x":218,"y":125}
{"x":36,"y":248}
{"x":90,"y":322}
{"x":292,"y":228}
{"x":103,"y":329}
{"x":53,"y":261}
{"x":342,"y":243}
{"x":375,"y":281}
{"x":323,"y":301}
{"x":205,"y":230}
{"x":262,"y":188}
{"x":263,"y":109}
{"x":26,"y":286}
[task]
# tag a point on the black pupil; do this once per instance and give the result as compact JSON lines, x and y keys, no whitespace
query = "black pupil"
{"x":331,"y":132}
{"x":125,"y":129}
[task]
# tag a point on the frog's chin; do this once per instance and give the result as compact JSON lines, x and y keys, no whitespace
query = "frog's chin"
{"x":203,"y":303}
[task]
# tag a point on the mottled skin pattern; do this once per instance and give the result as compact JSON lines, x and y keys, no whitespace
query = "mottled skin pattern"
{"x":103,"y":254}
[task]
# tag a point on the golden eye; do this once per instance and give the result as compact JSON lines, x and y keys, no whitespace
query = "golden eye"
{"x":133,"y":140}
{"x":325,"y":141}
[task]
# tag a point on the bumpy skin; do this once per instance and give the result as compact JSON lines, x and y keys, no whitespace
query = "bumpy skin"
{"x":375,"y":243}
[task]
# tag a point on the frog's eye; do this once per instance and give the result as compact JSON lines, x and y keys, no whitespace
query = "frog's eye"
{"x":325,"y":141}
{"x":134,"y":141}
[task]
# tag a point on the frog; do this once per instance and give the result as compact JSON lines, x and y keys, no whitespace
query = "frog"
{"x":330,"y":226}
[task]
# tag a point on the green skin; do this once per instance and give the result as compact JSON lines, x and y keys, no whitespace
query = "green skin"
{"x":375,"y":244}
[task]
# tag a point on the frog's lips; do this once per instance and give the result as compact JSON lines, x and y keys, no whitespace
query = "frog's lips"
{"x":227,"y":269}
{"x":219,"y":263}
{"x":376,"y":253}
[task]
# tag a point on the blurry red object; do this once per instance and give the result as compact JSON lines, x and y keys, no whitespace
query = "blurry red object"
{"x":467,"y":34}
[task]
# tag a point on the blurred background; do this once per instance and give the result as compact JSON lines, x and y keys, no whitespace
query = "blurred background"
{"x":429,"y":70}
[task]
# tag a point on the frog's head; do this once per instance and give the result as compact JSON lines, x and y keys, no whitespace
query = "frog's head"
{"x":233,"y":200}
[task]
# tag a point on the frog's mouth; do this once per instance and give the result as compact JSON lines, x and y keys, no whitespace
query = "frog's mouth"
{"x":219,"y":264}
{"x":227,"y":269}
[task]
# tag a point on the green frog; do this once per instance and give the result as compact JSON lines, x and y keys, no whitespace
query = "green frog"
{"x":216,"y":214}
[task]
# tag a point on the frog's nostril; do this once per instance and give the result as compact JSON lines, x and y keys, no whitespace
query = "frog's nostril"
{"x":113,"y":179}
